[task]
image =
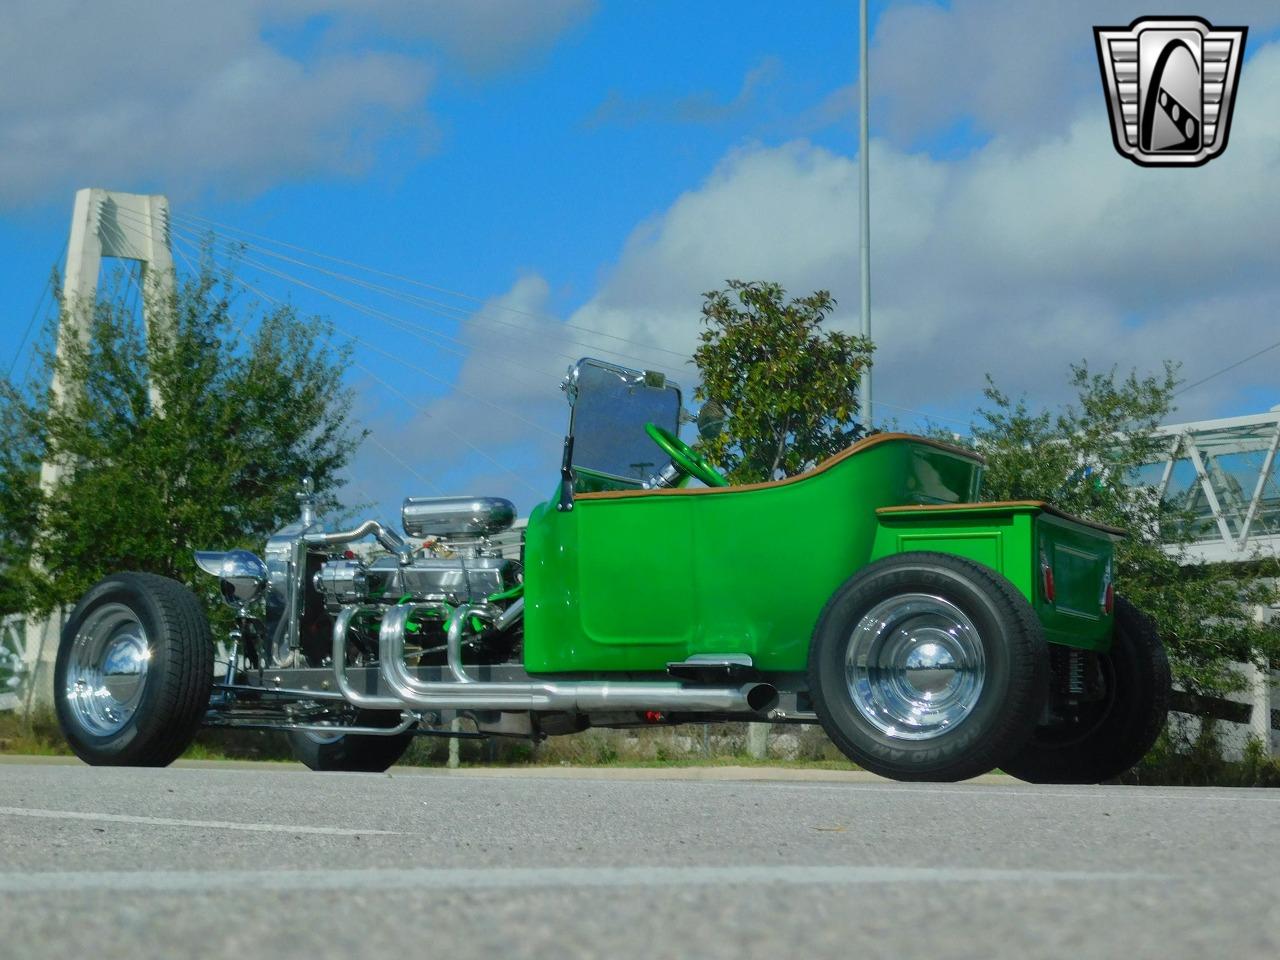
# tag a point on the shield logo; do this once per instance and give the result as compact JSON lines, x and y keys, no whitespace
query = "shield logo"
{"x":1171,"y":86}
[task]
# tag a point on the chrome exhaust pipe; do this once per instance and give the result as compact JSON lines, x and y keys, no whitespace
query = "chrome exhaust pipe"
{"x":466,"y":693}
{"x":340,"y":679}
{"x":510,"y":615}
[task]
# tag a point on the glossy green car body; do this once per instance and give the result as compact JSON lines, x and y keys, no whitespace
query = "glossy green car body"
{"x":631,"y":580}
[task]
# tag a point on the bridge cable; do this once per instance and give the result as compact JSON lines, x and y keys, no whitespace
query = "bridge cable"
{"x":45,"y":292}
{"x":395,"y":322}
{"x":1226,"y":369}
{"x":372,"y":438}
{"x":403,"y":397}
{"x":459,"y":315}
{"x":409,"y":400}
{"x":434,"y":307}
{"x":190,"y":235}
{"x":406,"y":326}
{"x":536,"y":315}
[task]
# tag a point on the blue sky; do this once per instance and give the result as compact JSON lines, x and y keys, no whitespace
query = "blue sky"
{"x":604,"y":163}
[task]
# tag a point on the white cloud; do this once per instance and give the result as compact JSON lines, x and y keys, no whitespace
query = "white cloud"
{"x":1015,"y":260}
{"x":497,"y":431}
{"x":485,"y":35}
{"x":1013,"y":68}
{"x":232,"y":96}
{"x":701,"y":107}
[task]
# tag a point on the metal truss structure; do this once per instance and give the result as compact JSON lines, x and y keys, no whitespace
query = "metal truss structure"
{"x":1224,"y":472}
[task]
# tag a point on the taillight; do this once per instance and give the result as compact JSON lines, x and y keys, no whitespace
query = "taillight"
{"x":1046,"y":576}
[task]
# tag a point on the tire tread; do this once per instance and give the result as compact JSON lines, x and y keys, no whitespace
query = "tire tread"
{"x":177,"y":706}
{"x":1029,"y":656}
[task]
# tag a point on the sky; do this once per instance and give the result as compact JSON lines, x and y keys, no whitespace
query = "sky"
{"x":541,"y":181}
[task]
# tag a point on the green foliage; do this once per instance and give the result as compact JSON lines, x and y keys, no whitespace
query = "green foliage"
{"x":789,"y":389}
{"x":241,"y":418}
{"x":1198,"y":762}
{"x":20,"y":450}
{"x":1082,"y":459}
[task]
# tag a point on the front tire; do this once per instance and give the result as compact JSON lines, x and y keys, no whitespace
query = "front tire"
{"x":1105,"y":739}
{"x":926,"y":666}
{"x":134,"y":671}
{"x":352,"y":752}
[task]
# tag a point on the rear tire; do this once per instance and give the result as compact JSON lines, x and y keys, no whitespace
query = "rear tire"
{"x":352,"y":752}
{"x":926,"y":666}
{"x":1126,"y":723}
{"x":134,"y":671}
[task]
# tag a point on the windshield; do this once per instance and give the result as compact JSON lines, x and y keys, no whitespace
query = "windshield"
{"x":611,"y":405}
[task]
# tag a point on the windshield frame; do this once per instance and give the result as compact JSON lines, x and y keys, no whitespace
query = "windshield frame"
{"x":635,"y":378}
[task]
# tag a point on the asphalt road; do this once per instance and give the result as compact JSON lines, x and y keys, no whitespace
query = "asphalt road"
{"x":277,"y":862}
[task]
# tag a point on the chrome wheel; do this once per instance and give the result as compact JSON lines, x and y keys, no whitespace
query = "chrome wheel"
{"x":915,"y":666}
{"x":107,"y":669}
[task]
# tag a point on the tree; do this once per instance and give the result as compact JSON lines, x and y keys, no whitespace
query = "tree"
{"x":19,"y":503}
{"x":1084,"y":460}
{"x":241,"y":419}
{"x":789,"y":389}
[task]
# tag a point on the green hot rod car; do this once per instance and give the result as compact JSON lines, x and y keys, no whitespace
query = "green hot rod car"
{"x":932,"y":636}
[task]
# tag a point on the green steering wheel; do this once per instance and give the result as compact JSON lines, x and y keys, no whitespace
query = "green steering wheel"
{"x":684,"y":456}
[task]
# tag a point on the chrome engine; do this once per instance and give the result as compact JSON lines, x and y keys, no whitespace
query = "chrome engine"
{"x":473,"y":574}
{"x":385,"y":580}
{"x":308,"y":583}
{"x":425,"y":628}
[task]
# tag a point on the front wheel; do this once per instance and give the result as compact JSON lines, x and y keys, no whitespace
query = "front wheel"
{"x":134,"y":670}
{"x":1100,"y":740}
{"x":926,"y":666}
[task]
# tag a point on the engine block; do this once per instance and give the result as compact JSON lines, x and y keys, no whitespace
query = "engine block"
{"x":386,"y":580}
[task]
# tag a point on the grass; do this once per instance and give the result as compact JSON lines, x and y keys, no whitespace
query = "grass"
{"x":655,"y":747}
{"x":1172,"y":762}
{"x":38,"y":736}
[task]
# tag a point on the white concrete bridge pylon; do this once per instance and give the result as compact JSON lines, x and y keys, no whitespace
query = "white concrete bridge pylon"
{"x":104,"y":224}
{"x":126,"y":226}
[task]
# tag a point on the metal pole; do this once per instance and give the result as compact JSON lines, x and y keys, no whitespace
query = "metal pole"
{"x":864,"y":201}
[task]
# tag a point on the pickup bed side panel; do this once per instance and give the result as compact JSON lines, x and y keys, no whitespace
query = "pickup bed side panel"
{"x":1015,"y":540}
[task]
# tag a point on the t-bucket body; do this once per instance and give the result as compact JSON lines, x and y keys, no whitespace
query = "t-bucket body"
{"x":631,"y":580}
{"x":931,"y":635}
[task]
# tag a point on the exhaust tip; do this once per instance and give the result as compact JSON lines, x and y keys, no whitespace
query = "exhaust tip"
{"x":762,"y":697}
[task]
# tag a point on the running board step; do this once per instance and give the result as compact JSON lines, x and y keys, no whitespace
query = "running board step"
{"x":714,"y":668}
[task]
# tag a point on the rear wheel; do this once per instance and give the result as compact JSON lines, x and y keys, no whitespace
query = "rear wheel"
{"x":134,"y":670}
{"x":352,"y":752}
{"x":926,"y":666}
{"x":1100,"y":740}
